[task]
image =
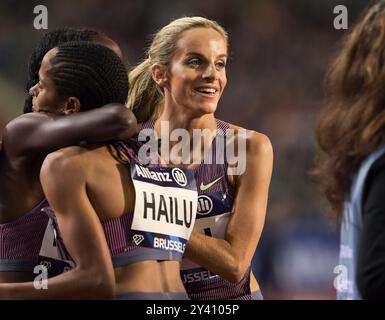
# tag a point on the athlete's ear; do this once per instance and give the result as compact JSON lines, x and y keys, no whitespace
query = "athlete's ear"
{"x":159,"y":74}
{"x":72,"y":105}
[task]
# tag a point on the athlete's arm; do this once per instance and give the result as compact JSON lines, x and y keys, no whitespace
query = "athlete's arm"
{"x":231,"y":257}
{"x":64,"y":183}
{"x":43,"y":133}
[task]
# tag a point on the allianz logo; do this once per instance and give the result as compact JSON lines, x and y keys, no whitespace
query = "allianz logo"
{"x":177,"y":175}
{"x":205,"y":205}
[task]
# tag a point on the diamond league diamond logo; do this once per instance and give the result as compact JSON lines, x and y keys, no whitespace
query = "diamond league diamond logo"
{"x":137,"y":238}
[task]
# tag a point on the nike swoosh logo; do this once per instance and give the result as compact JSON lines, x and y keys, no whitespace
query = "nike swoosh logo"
{"x":204,"y":187}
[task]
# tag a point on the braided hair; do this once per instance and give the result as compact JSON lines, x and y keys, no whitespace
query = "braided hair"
{"x":46,"y":43}
{"x":92,"y":73}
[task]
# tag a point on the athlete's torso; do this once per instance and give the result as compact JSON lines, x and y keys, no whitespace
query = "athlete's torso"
{"x":216,"y":192}
{"x":22,"y":224}
{"x":20,"y":242}
{"x":112,"y":194}
{"x":20,"y":188}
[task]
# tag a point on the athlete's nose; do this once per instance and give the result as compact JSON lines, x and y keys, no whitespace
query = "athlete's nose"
{"x":210,"y":72}
{"x":32,"y":90}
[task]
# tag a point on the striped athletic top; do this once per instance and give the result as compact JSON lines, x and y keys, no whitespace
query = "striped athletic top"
{"x":123,"y":251}
{"x":117,"y":230}
{"x":53,"y":254}
{"x":20,"y":240}
{"x":215,"y":201}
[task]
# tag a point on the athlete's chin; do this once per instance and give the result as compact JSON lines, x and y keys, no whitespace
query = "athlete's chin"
{"x":207,"y":108}
{"x":36,"y":109}
{"x":200,"y":109}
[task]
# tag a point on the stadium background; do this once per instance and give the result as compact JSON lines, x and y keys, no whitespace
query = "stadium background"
{"x":279,"y":52}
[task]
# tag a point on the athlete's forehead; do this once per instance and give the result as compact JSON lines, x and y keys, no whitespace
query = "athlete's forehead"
{"x":46,"y":62}
{"x":202,"y":41}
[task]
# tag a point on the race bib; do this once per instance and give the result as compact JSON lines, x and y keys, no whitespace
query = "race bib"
{"x":165,"y":207}
{"x":212,"y":220}
{"x":214,"y":226}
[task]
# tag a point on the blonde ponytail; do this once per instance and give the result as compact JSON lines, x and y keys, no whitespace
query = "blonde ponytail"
{"x":144,"y":96}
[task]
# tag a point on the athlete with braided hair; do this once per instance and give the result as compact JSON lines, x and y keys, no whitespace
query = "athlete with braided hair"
{"x":104,"y":193}
{"x":54,"y":38}
{"x":26,"y":142}
{"x":65,"y":69}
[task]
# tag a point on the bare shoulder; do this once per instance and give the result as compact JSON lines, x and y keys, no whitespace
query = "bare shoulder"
{"x":24,"y":123}
{"x":17,"y":133}
{"x":256,"y":143}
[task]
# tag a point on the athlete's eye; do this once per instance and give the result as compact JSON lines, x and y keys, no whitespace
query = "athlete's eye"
{"x":195,"y":62}
{"x":221,"y":64}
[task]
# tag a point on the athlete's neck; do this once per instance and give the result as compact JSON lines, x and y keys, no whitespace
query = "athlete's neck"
{"x":182,"y":121}
{"x":201,"y":132}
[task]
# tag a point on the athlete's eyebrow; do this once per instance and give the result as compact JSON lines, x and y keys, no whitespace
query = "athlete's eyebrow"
{"x":188,"y":54}
{"x":41,"y":80}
